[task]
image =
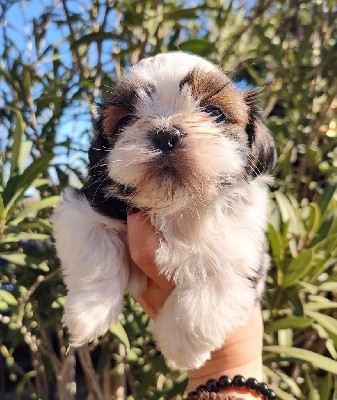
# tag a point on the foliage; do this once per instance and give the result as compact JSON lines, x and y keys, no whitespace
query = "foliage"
{"x":67,"y":57}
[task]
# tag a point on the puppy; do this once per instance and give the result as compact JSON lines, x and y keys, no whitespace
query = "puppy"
{"x":178,"y":140}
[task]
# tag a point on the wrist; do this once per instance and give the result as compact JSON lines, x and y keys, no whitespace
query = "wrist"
{"x":216,"y":367}
{"x":241,"y":355}
{"x":219,"y":389}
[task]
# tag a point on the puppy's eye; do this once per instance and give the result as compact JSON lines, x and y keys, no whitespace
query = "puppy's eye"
{"x":125,"y":121}
{"x":217,"y":113}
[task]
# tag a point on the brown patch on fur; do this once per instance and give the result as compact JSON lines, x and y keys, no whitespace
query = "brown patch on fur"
{"x":216,"y":88}
{"x":118,"y":105}
{"x":243,"y":108}
{"x":121,"y":103}
{"x":111,"y":115}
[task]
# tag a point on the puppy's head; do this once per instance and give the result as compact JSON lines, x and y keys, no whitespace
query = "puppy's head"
{"x":176,"y":131}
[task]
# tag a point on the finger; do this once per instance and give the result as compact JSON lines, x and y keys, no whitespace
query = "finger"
{"x":143,"y":243}
{"x":153,"y":299}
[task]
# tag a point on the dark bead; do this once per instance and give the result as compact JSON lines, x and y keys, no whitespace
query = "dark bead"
{"x":192,"y":396}
{"x":263,"y":388}
{"x":271,"y":395}
{"x":239,"y":381}
{"x":201,"y":388}
{"x":252,"y":384}
{"x":212,"y":385}
{"x":225,"y":382}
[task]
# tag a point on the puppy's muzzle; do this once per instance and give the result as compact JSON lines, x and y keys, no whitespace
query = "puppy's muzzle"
{"x":165,"y":140}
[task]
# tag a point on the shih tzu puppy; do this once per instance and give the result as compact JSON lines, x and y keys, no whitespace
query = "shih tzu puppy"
{"x":180,"y":141}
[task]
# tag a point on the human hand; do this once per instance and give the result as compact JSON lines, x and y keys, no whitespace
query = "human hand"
{"x":143,"y":242}
{"x":242,"y":352}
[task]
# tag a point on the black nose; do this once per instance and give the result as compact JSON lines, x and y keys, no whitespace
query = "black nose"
{"x":166,"y":140}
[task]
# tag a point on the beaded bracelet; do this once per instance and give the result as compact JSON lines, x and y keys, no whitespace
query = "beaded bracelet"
{"x":238,"y":382}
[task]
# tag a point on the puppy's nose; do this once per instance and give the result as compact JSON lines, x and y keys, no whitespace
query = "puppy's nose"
{"x":166,"y":140}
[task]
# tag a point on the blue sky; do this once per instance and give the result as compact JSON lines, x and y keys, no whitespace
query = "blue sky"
{"x":19,"y":26}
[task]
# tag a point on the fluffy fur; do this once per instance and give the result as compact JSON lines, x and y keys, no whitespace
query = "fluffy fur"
{"x":179,"y":140}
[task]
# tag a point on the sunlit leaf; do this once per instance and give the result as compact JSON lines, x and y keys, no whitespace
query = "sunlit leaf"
{"x":197,"y":46}
{"x":25,"y":260}
{"x":25,"y":149}
{"x":298,"y":268}
{"x":288,"y":322}
{"x":33,"y":208}
{"x":19,"y":184}
{"x":94,"y":37}
{"x":8,"y":298}
{"x":328,"y":245}
{"x":325,"y":387}
{"x":275,"y":240}
{"x":17,"y":139}
{"x":118,"y":331}
{"x":324,"y":199}
{"x":315,"y":359}
{"x":282,"y":395}
{"x":326,"y":321}
{"x":2,"y":207}
{"x":289,"y":213}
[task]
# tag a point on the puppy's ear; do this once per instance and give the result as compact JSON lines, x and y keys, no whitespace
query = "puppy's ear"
{"x":263,"y":152}
{"x":99,"y":147}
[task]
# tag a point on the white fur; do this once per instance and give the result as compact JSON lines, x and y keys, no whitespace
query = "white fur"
{"x":212,"y":235}
{"x":95,"y":266}
{"x":209,"y":255}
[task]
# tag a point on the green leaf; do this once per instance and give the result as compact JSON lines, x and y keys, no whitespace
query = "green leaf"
{"x":318,"y":361}
{"x":288,"y":213}
{"x":325,"y":387}
{"x":327,"y":228}
{"x":275,"y":240}
{"x":177,"y":388}
{"x":25,"y":150}
{"x":39,"y":205}
{"x":14,"y":237}
{"x":298,"y":268}
{"x":17,"y":138}
{"x":1,"y":207}
{"x":313,"y":219}
{"x":3,"y":306}
{"x":197,"y":46}
{"x":281,"y":394}
{"x":295,"y":299}
{"x":118,"y":331}
{"x":322,"y":305}
{"x":289,"y":381}
{"x":290,"y":321}
{"x":328,"y":245}
{"x":326,"y":321}
{"x":27,"y":79}
{"x":24,"y":260}
{"x":324,"y":199}
{"x":16,"y":187}
{"x":328,"y":286}
{"x":319,"y":266}
{"x":8,"y":298}
{"x":94,"y":37}
{"x":187,"y":13}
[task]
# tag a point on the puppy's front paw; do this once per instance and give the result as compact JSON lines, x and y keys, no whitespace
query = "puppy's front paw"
{"x":179,"y":342}
{"x":196,"y":321}
{"x":95,"y":267}
{"x":88,"y":312}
